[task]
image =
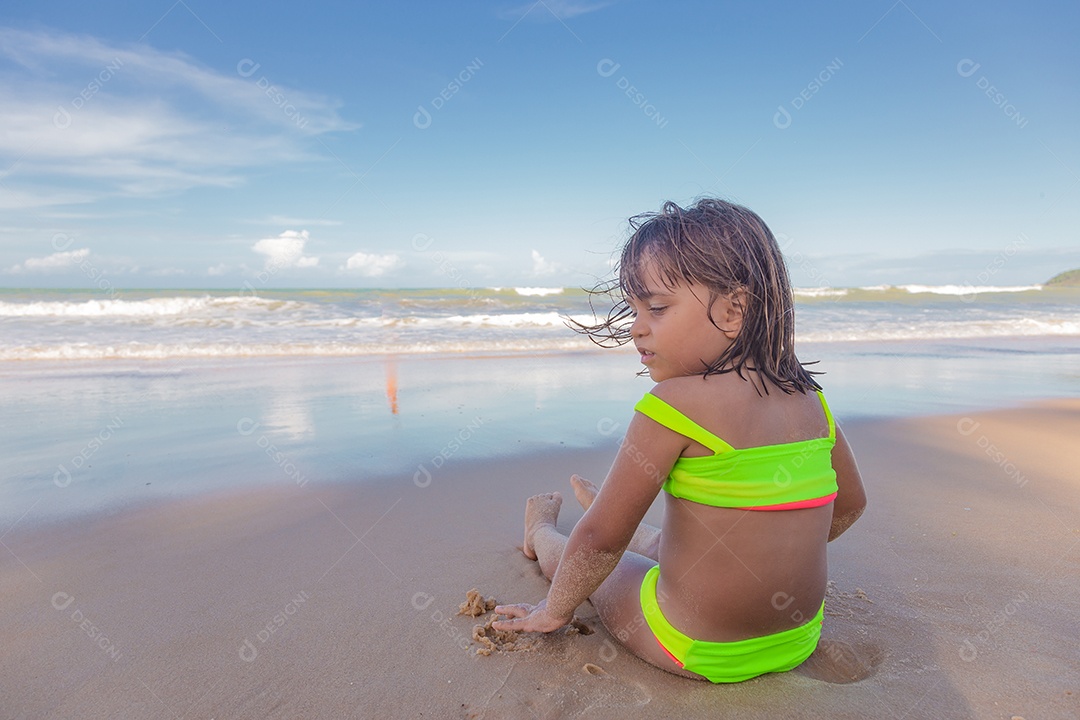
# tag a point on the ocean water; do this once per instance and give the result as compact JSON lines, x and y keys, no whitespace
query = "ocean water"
{"x":164,"y":324}
{"x":150,"y":395}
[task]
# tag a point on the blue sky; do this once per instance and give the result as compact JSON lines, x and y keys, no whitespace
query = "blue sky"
{"x":184,"y":143}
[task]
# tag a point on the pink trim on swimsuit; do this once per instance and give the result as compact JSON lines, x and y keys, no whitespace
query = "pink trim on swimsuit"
{"x":797,"y":505}
{"x":673,"y":658}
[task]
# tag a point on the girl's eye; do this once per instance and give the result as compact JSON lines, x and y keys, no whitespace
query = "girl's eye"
{"x":657,"y":310}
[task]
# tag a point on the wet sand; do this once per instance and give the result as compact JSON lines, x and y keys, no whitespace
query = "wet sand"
{"x":954,"y":596}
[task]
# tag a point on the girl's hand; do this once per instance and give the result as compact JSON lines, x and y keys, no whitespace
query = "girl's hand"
{"x":529,"y":618}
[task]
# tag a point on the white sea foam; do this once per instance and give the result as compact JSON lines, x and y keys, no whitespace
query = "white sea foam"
{"x":1026,"y":327}
{"x":506,"y":320}
{"x":493,"y":320}
{"x":152,"y":307}
{"x":145,"y":351}
{"x":967,"y":289}
{"x":55,"y":325}
{"x":538,"y":291}
{"x":815,"y":292}
{"x":457,"y":343}
{"x":964,"y":290}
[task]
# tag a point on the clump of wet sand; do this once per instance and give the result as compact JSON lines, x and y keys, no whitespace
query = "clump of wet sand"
{"x":476,"y":604}
{"x":491,"y":639}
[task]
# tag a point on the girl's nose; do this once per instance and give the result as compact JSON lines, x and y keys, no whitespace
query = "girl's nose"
{"x":638,"y":328}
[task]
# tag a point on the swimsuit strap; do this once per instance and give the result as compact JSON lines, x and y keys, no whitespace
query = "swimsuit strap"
{"x":828,"y":415}
{"x":653,"y":407}
{"x":663,"y":413}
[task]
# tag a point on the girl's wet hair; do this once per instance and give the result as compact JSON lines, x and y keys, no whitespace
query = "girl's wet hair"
{"x":729,"y":250}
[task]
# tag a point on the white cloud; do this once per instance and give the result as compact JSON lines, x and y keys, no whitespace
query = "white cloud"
{"x":56,"y":261}
{"x":554,"y":9}
{"x":219,"y":269}
{"x":140,"y":121}
{"x":542,"y":266}
{"x":286,"y":250}
{"x":373,"y":265}
{"x":12,"y":199}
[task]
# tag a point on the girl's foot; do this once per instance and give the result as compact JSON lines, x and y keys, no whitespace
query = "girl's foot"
{"x":540,"y":510}
{"x":584,"y":491}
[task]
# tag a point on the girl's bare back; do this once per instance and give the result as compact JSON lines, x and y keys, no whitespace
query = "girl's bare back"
{"x":729,"y":573}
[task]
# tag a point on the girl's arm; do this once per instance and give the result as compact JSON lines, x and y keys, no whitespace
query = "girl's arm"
{"x":850,"y":495}
{"x":599,"y":539}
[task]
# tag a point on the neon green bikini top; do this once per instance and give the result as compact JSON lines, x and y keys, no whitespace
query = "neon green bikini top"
{"x":788,"y":476}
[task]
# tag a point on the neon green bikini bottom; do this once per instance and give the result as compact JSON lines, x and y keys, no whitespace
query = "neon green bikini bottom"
{"x":727,"y":662}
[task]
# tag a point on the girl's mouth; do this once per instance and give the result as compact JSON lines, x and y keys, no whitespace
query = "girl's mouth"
{"x":646,"y":356}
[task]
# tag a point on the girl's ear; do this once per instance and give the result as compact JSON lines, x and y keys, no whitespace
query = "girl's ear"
{"x":729,"y":312}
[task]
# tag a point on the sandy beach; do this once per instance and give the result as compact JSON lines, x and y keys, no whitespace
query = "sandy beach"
{"x":300,"y":303}
{"x":954,"y":596}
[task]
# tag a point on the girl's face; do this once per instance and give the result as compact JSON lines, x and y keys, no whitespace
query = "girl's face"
{"x":672,"y":330}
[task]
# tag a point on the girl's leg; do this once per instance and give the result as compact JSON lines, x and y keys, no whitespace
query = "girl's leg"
{"x":646,"y":540}
{"x":617,"y":600}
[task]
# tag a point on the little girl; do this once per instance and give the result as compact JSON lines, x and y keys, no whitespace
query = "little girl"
{"x":737,"y":433}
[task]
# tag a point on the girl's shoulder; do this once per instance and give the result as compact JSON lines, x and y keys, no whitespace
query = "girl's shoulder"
{"x":731,"y":408}
{"x":693,"y":391}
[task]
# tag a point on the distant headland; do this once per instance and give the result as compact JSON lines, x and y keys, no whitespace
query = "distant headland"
{"x":1069,"y":278}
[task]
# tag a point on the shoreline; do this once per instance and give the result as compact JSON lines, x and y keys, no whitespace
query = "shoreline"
{"x":264,"y":466}
{"x":951,"y":595}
